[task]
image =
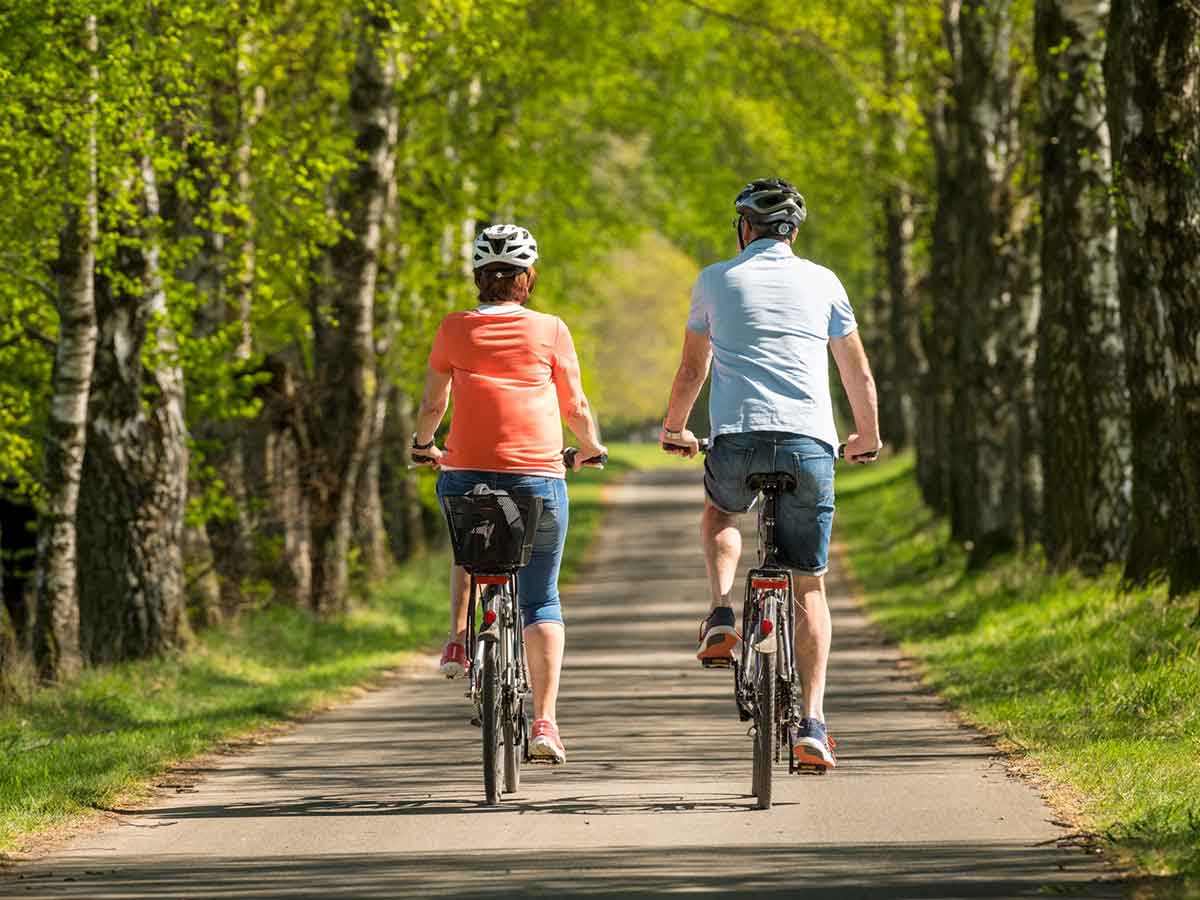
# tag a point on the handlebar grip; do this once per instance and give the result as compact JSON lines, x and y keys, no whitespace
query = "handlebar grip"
{"x":869,"y":457}
{"x":571,"y":452}
{"x":422,"y":458}
{"x":704,"y":443}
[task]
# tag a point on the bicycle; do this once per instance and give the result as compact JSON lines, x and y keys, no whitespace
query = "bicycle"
{"x":764,"y":670}
{"x":491,"y":533}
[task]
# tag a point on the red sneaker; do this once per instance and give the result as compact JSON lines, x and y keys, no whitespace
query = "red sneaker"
{"x":454,"y":660}
{"x":546,"y":743}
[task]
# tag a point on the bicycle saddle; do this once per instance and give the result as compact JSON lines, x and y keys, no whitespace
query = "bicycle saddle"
{"x":777,"y":482}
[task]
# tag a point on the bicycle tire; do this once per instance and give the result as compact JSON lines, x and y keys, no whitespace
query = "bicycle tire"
{"x":764,"y":728}
{"x":490,"y":714}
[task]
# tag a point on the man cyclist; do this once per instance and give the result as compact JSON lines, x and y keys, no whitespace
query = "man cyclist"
{"x":763,"y":320}
{"x":513,"y":372}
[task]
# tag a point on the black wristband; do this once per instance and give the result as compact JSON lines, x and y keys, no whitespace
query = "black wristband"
{"x":416,"y":446}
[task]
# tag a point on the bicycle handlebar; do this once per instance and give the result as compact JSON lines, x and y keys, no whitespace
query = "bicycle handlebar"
{"x":596,"y":462}
{"x":865,"y":457}
{"x":706,"y":443}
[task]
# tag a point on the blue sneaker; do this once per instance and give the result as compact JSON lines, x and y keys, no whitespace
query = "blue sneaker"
{"x":718,"y":637}
{"x":812,"y":746}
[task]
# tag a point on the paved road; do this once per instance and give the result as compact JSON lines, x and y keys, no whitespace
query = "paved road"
{"x":381,"y":798}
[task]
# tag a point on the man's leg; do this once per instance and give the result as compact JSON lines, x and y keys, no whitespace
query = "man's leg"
{"x":814,"y":630}
{"x":722,"y":549}
{"x":544,"y":642}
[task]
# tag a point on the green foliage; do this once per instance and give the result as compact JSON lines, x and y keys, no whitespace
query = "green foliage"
{"x":1096,"y":683}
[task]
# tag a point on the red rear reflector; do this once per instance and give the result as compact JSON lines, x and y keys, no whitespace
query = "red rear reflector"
{"x":767,"y":627}
{"x":489,"y":618}
{"x":766,"y":584}
{"x":491,"y":579}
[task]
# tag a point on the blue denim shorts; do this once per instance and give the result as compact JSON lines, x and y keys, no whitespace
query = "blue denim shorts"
{"x":537,"y":583}
{"x":805,"y":515}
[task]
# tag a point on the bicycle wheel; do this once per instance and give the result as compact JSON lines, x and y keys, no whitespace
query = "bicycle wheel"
{"x":764,"y":727}
{"x":492,"y":731}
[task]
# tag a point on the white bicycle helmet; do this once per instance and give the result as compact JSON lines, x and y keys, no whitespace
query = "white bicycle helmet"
{"x":510,"y":244}
{"x":771,"y":201}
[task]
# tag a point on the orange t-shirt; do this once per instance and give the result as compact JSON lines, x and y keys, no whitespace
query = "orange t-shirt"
{"x":505,"y":363}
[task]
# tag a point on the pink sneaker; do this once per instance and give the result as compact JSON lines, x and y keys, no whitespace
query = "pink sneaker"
{"x":454,"y":660}
{"x":546,"y":743}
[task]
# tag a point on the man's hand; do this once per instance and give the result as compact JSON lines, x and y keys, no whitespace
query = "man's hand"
{"x":431,"y":457}
{"x":586,"y":452}
{"x":862,"y":449}
{"x":682,"y":444}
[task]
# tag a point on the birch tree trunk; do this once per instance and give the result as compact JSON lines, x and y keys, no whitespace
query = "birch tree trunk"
{"x":939,"y":438}
{"x":1082,"y":394}
{"x":984,"y":114}
{"x":57,"y":639}
{"x":232,"y":538}
{"x":1152,"y":69}
{"x":906,"y":363}
{"x":340,"y":418}
{"x":134,"y":491}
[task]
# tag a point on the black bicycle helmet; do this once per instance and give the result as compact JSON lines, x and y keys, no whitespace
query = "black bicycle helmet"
{"x":771,"y":201}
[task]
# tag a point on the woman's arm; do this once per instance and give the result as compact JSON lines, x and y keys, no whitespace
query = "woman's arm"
{"x":573,"y":403}
{"x":434,"y":403}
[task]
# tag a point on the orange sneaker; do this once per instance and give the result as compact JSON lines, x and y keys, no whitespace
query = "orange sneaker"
{"x":812,"y":745}
{"x":454,"y":660}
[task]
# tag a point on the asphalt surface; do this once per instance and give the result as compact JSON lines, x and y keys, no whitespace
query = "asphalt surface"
{"x":383,"y":797}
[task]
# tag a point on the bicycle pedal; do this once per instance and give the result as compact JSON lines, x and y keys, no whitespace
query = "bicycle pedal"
{"x":718,"y":663}
{"x":476,"y":721}
{"x":802,"y":769}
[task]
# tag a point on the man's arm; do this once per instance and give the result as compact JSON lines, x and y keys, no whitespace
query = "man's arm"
{"x":855,"y":371}
{"x":689,"y":379}
{"x":434,"y":402}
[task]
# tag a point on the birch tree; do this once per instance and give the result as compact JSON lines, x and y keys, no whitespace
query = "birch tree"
{"x":57,"y":638}
{"x":1082,"y":394}
{"x":1152,"y":70}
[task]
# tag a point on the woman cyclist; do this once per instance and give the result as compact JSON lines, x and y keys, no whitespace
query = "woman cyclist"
{"x":513,"y":372}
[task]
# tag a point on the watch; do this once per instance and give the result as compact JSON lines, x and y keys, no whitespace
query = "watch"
{"x":417,"y":446}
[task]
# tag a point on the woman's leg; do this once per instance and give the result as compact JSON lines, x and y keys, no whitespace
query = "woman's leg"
{"x":540,"y":610}
{"x":456,"y":483}
{"x":460,"y":590}
{"x":544,"y":643}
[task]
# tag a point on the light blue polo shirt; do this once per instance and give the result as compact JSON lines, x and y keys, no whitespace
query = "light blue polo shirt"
{"x":769,"y":315}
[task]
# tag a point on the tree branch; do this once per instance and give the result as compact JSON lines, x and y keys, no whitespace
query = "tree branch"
{"x":809,"y":39}
{"x":29,"y":280}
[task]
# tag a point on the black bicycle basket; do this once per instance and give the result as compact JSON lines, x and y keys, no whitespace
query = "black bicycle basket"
{"x":492,"y":529}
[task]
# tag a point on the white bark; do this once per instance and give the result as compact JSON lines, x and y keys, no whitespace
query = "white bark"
{"x":57,"y":639}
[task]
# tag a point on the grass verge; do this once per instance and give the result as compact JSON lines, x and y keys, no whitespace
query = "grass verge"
{"x":68,"y":750}
{"x":1097,"y":684}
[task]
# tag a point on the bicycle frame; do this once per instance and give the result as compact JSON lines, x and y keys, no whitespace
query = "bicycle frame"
{"x":499,"y":596}
{"x":770,"y":598}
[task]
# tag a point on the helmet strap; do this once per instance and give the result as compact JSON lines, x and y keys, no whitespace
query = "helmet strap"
{"x":741,"y":240}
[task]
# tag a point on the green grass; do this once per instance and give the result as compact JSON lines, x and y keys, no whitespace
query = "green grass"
{"x":1100,"y":686}
{"x":65,"y":751}
{"x":70,"y":749}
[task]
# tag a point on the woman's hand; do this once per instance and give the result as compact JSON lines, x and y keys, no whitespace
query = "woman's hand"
{"x":431,"y":457}
{"x":587,"y":451}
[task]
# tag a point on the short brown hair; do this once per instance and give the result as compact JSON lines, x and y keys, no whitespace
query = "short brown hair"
{"x":498,"y":283}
